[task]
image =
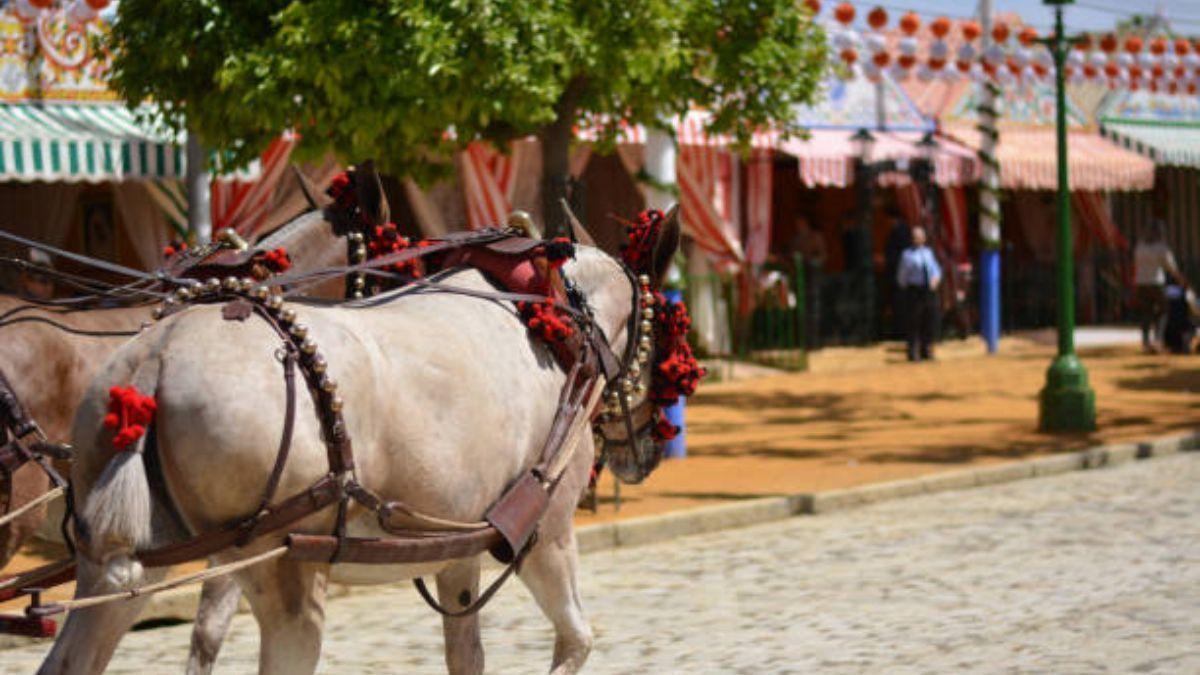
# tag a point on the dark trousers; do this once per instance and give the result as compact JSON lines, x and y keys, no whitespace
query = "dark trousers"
{"x":918,"y":307}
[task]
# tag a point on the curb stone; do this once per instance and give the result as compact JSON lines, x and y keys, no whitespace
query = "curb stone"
{"x":180,"y":604}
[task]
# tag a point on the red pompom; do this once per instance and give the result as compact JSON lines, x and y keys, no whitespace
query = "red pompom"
{"x":664,"y":430}
{"x":341,"y":190}
{"x":129,"y":413}
{"x":642,"y":233}
{"x":546,"y":321}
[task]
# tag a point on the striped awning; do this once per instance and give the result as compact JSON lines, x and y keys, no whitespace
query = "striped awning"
{"x":1169,"y":143}
{"x":78,"y":142}
{"x":1029,"y":161}
{"x":826,"y":158}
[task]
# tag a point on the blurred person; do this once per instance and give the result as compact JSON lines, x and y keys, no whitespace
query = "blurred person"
{"x":1153,"y":266}
{"x":917,"y":277}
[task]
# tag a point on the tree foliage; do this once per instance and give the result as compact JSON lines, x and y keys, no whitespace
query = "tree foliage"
{"x":405,"y":81}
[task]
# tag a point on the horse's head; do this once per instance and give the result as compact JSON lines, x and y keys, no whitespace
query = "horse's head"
{"x":624,"y":297}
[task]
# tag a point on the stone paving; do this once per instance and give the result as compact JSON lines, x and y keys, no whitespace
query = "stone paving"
{"x":1086,"y":572}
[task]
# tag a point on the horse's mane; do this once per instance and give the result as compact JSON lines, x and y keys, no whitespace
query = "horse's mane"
{"x":290,"y":231}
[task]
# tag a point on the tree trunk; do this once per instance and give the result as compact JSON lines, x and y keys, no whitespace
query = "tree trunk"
{"x":556,"y":161}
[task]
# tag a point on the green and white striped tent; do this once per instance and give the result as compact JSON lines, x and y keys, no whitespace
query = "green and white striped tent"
{"x":83,"y":142}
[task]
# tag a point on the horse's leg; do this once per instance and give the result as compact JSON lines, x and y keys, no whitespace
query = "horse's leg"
{"x":218,"y":603}
{"x":550,"y":571}
{"x":90,"y":636}
{"x":288,"y":600}
{"x":456,"y":585}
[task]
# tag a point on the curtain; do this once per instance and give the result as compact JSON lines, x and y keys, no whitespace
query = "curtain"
{"x":143,"y":220}
{"x":41,"y":211}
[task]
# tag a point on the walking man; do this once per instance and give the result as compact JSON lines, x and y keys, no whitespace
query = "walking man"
{"x":917,"y":277}
{"x":1153,"y":267}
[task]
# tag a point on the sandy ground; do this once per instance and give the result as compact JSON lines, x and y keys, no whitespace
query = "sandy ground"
{"x":863,"y":415}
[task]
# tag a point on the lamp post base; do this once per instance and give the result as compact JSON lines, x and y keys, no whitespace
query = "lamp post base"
{"x":1068,"y":402}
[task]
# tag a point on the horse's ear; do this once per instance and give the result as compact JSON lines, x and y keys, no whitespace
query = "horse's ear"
{"x":316,"y":200}
{"x":371,"y":199}
{"x":666,"y":245}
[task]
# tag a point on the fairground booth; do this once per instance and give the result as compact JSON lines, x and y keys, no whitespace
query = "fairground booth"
{"x":80,"y":170}
{"x":1166,"y":130}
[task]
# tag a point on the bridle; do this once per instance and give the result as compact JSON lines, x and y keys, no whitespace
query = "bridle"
{"x":23,"y":441}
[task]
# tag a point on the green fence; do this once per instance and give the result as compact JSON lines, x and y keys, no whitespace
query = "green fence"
{"x":773,"y":333}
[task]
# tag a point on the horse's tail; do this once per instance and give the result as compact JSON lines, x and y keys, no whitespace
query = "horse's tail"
{"x":118,"y":508}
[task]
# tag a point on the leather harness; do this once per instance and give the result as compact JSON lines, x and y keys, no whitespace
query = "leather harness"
{"x":509,"y":526}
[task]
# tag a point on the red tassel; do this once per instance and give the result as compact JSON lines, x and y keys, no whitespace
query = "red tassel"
{"x":129,"y":413}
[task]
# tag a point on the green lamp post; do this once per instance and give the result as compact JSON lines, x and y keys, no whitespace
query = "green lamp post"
{"x":1068,"y":402}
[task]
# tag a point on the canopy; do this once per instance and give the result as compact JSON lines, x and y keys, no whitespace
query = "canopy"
{"x":1028,"y":160}
{"x":76,"y":142}
{"x":1164,"y":143}
{"x":827,"y":158}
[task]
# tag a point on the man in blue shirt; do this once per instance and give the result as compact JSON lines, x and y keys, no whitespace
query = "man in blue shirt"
{"x":918,"y":276}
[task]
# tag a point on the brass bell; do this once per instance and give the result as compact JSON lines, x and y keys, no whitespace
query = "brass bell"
{"x":647,"y":314}
{"x":232,"y":239}
{"x":328,"y":385}
{"x":308,"y":347}
{"x":157,"y":313}
{"x":647,"y":326}
{"x":647,"y":298}
{"x":212,"y":285}
{"x":275,"y":302}
{"x":635,"y":370}
{"x":288,"y":316}
{"x":181,"y":295}
{"x":336,"y":403}
{"x":358,"y":295}
{"x":360,"y":253}
{"x":644,"y":280}
{"x":359,"y":281}
{"x":231,"y":284}
{"x":299,"y":331}
{"x":260,"y":292}
{"x":644,"y":342}
{"x":522,"y":222}
{"x":626,"y":385}
{"x":640,"y":389}
{"x":355,"y":236}
{"x":319,"y":365}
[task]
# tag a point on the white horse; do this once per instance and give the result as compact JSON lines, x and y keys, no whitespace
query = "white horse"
{"x":447,"y":400}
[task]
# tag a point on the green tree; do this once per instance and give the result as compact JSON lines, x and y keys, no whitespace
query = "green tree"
{"x":409,"y":81}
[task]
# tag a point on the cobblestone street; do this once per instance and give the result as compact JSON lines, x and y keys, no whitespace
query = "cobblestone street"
{"x":1086,"y":572}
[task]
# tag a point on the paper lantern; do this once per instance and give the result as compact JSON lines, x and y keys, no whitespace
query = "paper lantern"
{"x":1125,"y":60}
{"x":937,"y":64}
{"x":1158,"y":71}
{"x":963,"y":66}
{"x":1147,"y":60}
{"x":813,"y":6}
{"x":877,"y":18}
{"x":1084,"y":43}
{"x":1075,"y":59}
{"x":970,"y":30}
{"x":1179,"y":72}
{"x":1108,"y":43}
{"x":1090,"y":71}
{"x":1182,"y":47}
{"x":1191,"y":88}
{"x":967,"y":52}
{"x":1158,"y":46}
{"x":41,"y":4}
{"x":1000,"y":32}
{"x":898,"y":74}
{"x":80,"y":11}
{"x":844,"y":13}
{"x":881,"y":59}
{"x":843,"y":39}
{"x":993,"y":55}
{"x":1014,"y":66}
{"x":925,"y":73}
{"x":1135,"y":72}
{"x":940,"y":27}
{"x":1172,"y":87}
{"x":1133,"y":44}
{"x":910,"y":23}
{"x":849,"y":56}
{"x":1153,"y":86}
{"x":1111,"y":70}
{"x":1027,"y":36}
{"x":906,"y":61}
{"x":1040,"y":69}
{"x":875,"y":42}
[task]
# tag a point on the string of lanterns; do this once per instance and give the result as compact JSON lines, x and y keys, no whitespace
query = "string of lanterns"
{"x":953,"y":50}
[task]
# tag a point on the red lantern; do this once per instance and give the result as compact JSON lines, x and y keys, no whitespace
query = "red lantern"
{"x":877,"y":18}
{"x":98,"y":5}
{"x":813,"y":6}
{"x":906,"y":61}
{"x":1111,"y":70}
{"x":1182,"y":47}
{"x":940,"y":27}
{"x":1108,"y":43}
{"x":1135,"y":72}
{"x":989,"y":68}
{"x":970,"y":30}
{"x":1158,"y":46}
{"x":1000,"y":32}
{"x":844,"y":13}
{"x":849,"y":56}
{"x":41,"y":4}
{"x":937,"y":64}
{"x":1191,"y":88}
{"x":1084,"y":43}
{"x":1027,"y":36}
{"x":1133,"y":44}
{"x":1180,"y":72}
{"x":1153,"y":86}
{"x":882,"y":59}
{"x":910,"y":23}
{"x":1040,"y":69}
{"x":1013,"y":66}
{"x":1157,"y":70}
{"x":1134,"y":86}
{"x":1172,"y":87}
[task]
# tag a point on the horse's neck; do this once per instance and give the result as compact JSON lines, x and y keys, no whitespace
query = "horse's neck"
{"x":608,"y":291}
